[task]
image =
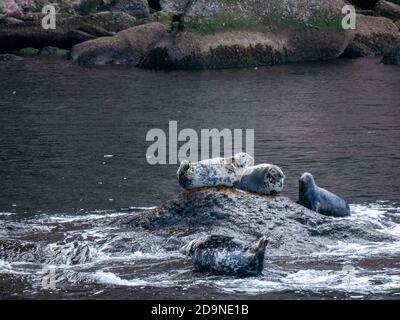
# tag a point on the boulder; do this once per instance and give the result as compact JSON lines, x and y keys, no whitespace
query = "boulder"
{"x":292,"y":229}
{"x":26,"y":52}
{"x":373,"y":37}
{"x":53,"y":51}
{"x":17,"y":8}
{"x":388,"y":9}
{"x":392,"y":57}
{"x":173,"y":5}
{"x":9,"y":57}
{"x":4,"y":20}
{"x":126,"y":47}
{"x":136,"y":8}
{"x":69,"y":31}
{"x":220,"y":34}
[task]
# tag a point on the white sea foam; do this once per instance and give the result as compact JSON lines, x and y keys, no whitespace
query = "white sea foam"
{"x":318,"y":281}
{"x":113,"y":279}
{"x":6,"y":214}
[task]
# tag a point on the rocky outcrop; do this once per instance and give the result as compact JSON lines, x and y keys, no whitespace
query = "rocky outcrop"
{"x":228,"y":34}
{"x":373,"y":37}
{"x":136,"y":8}
{"x":55,"y":52}
{"x":69,"y":31}
{"x":9,"y":57}
{"x":126,"y":47}
{"x":173,"y":5}
{"x":292,"y":229}
{"x":364,"y":4}
{"x":17,"y":8}
{"x":388,"y":9}
{"x":392,"y":57}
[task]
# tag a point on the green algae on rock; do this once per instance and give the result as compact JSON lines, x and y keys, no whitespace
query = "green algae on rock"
{"x":233,"y":34}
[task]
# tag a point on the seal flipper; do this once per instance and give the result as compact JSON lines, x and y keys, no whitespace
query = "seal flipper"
{"x":316,"y":207}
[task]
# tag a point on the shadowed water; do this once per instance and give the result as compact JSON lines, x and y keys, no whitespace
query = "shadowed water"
{"x":61,"y":123}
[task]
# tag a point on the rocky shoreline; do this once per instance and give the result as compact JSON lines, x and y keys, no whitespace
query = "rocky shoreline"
{"x":200,"y":34}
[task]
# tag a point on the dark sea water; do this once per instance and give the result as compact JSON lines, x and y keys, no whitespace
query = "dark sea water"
{"x":73,"y":150}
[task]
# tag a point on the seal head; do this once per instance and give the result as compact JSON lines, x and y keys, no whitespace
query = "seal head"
{"x":265,"y":179}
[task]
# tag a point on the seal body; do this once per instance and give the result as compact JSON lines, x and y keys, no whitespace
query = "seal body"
{"x":265,"y":179}
{"x":320,"y":200}
{"x":224,"y":255}
{"x":213,"y":172}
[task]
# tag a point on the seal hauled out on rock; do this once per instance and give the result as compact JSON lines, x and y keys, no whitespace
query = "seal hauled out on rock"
{"x":320,"y":200}
{"x":213,"y":172}
{"x":265,"y":179}
{"x":225,"y":255}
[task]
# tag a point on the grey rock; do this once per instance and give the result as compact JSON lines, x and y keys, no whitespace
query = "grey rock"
{"x":388,"y":9}
{"x":243,"y":217}
{"x":53,"y":51}
{"x":136,"y":8}
{"x":173,"y":5}
{"x":69,"y":31}
{"x":292,"y":229}
{"x":373,"y":36}
{"x":126,"y":47}
{"x":10,"y":57}
{"x":392,"y":57}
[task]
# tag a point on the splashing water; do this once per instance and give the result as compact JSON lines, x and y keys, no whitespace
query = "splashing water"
{"x":89,"y":255}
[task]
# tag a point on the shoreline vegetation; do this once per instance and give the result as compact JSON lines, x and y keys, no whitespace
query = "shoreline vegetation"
{"x":200,"y":34}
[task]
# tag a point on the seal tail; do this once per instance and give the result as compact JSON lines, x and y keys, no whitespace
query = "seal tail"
{"x":181,"y":173}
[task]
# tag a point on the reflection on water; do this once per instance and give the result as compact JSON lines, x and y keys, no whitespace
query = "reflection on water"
{"x":339,"y":120}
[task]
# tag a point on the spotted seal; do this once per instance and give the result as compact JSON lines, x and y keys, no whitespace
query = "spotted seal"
{"x":265,"y":179}
{"x":213,"y":172}
{"x":225,"y":255}
{"x":320,"y":200}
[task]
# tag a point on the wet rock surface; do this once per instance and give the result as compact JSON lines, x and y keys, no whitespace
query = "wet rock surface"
{"x":9,"y":57}
{"x":292,"y":229}
{"x":127,"y":47}
{"x":388,"y":9}
{"x":136,"y":254}
{"x":70,"y":30}
{"x":373,"y":36}
{"x":392,"y":57}
{"x":217,"y":34}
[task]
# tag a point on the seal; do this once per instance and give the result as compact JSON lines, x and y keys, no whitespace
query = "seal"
{"x":225,"y":255}
{"x":213,"y":172}
{"x":320,"y":200}
{"x":265,"y":179}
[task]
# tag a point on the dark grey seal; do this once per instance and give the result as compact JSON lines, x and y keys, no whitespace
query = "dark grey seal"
{"x":320,"y":200}
{"x":225,"y":255}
